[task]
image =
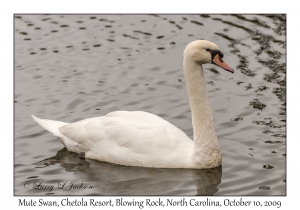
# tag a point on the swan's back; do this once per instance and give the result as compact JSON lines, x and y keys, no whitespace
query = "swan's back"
{"x":128,"y":138}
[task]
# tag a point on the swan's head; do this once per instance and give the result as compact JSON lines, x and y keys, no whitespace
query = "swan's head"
{"x":203,"y":51}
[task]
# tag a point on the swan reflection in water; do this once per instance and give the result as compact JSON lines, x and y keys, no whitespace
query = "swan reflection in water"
{"x":112,"y":179}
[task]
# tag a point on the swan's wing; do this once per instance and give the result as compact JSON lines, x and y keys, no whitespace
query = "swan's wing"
{"x":122,"y":137}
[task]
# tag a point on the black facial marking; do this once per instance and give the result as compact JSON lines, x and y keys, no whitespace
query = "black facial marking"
{"x":215,"y":52}
{"x":221,"y":54}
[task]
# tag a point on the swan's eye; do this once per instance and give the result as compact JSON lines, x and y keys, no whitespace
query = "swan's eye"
{"x":207,"y":49}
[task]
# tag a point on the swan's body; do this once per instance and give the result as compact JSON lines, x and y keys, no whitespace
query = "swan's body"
{"x":146,"y":140}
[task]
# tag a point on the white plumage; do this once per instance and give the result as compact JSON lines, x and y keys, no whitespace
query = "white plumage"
{"x":143,"y":139}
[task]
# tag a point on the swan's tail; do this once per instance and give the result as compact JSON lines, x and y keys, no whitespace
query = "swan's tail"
{"x":50,"y":125}
{"x":53,"y":127}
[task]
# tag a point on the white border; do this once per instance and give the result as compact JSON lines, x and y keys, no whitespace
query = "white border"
{"x":153,"y":6}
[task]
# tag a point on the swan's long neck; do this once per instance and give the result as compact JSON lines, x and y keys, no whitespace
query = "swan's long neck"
{"x":206,"y":146}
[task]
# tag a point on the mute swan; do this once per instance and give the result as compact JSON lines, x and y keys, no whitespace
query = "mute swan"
{"x":142,"y":139}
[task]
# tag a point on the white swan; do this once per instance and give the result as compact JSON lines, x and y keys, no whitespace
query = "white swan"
{"x":143,"y":139}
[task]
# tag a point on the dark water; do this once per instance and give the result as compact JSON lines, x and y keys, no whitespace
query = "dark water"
{"x":72,"y":67}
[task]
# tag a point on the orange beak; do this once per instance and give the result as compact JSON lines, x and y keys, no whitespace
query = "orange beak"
{"x":219,"y":62}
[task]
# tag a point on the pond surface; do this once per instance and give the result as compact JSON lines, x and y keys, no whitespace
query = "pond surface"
{"x":72,"y":67}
